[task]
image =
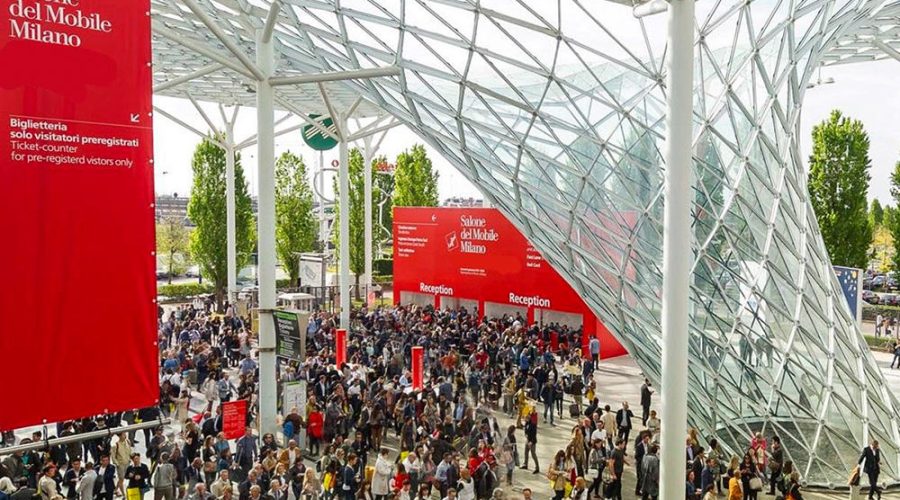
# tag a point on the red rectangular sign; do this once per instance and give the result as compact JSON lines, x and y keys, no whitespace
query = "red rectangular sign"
{"x":418,"y":367}
{"x":76,"y":194}
{"x":234,"y":418}
{"x":476,"y":254}
{"x":340,"y":347}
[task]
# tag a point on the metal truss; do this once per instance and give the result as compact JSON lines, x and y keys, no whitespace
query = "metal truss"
{"x":555,"y":109}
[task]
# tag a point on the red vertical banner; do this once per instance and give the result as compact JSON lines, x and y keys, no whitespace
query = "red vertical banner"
{"x":76,"y":194}
{"x":418,"y":368}
{"x":340,"y":347}
{"x":234,"y":418}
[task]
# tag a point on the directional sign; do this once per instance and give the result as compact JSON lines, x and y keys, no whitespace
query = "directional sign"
{"x":290,"y":335}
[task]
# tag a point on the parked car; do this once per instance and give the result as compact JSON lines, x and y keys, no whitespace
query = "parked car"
{"x":878,"y":281}
{"x":871,"y":297}
{"x":889,"y":299}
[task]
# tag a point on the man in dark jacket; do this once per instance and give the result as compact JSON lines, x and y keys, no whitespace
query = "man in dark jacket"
{"x":871,"y":455}
{"x":105,"y":485}
{"x":623,"y":422}
{"x":646,"y":396}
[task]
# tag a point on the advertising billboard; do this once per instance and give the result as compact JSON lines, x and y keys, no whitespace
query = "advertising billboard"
{"x":475,"y":257}
{"x":77,"y":204}
{"x":850,"y":279}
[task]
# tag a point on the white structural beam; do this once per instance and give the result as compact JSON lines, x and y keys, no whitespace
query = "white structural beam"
{"x":212,"y":126}
{"x":199,"y":47}
{"x":334,"y":76}
{"x":316,"y":124}
{"x":344,"y":222}
{"x":368,"y":152}
{"x":340,"y":123}
{"x":223,"y":37}
{"x":677,"y":240}
{"x":211,"y":68}
{"x":887,"y":49}
{"x":271,"y":20}
{"x":265,"y":118}
{"x":230,"y":227}
{"x":184,"y":125}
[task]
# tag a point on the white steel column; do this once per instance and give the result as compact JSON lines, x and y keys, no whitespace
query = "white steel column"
{"x":367,"y":200}
{"x":344,"y":234}
{"x":230,"y":215}
{"x":323,"y":224}
{"x":265,"y":117}
{"x":677,"y":253}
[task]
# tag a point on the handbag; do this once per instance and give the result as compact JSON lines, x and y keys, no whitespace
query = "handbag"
{"x":756,"y":483}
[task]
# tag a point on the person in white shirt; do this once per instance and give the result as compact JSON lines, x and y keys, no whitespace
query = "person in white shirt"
{"x":413,"y":467}
{"x":465,"y":489}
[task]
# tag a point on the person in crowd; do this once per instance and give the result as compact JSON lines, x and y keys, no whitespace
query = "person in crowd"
{"x":870,"y":460}
{"x":650,"y":474}
{"x":793,"y":488}
{"x":646,"y":399}
{"x":623,"y":422}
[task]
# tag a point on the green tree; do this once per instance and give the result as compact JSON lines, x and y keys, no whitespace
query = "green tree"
{"x":876,"y":214}
{"x":415,"y":180}
{"x":173,"y":245}
{"x":296,"y":228}
{"x":357,"y":212}
{"x":838,"y":185}
{"x":892,"y":217}
{"x":206,"y":209}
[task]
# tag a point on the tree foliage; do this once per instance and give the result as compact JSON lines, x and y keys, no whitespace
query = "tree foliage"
{"x":838,"y":187}
{"x":206,"y":209}
{"x":876,"y":214}
{"x":892,"y":218}
{"x":357,"y":216}
{"x":415,"y":180}
{"x":173,"y":245}
{"x":296,"y":228}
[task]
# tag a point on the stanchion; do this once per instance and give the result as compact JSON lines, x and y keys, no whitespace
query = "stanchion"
{"x":340,"y":347}
{"x":418,"y":368}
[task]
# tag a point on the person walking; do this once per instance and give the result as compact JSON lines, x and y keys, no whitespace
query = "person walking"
{"x":870,"y":459}
{"x":557,"y":473}
{"x":623,"y":422}
{"x":646,"y":397}
{"x":164,"y":479}
{"x":776,"y":464}
{"x":650,"y":474}
{"x":531,"y":441}
{"x":548,"y":396}
{"x":594,"y":346}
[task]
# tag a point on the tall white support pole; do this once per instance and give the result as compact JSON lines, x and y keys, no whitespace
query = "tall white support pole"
{"x":677,"y":241}
{"x":344,"y":235}
{"x":323,"y":224}
{"x":265,"y":117}
{"x":367,"y":199}
{"x":230,"y":215}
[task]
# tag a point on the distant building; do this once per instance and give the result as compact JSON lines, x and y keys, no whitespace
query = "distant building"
{"x":175,"y":206}
{"x":463,"y":202}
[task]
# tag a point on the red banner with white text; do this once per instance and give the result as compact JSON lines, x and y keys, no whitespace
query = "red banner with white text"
{"x":77,"y":204}
{"x":476,"y":256}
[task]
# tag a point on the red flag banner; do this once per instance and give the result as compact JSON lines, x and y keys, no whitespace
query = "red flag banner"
{"x":234,"y":418}
{"x":418,"y":367}
{"x":340,"y":347}
{"x":76,"y":194}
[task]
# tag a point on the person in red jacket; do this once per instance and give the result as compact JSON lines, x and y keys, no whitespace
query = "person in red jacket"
{"x":315,"y":429}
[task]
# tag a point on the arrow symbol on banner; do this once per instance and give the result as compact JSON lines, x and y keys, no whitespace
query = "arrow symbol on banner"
{"x":433,"y":217}
{"x":135,"y":117}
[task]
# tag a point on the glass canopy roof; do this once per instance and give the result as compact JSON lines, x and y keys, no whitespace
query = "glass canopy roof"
{"x":555,"y":109}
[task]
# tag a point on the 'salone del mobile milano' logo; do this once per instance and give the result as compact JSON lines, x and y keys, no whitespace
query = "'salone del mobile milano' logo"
{"x":472,"y":234}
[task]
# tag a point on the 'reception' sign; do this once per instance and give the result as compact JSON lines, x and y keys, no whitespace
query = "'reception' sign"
{"x":476,"y":254}
{"x":76,"y":191}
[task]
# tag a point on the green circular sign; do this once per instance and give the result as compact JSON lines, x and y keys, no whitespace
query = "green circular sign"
{"x":314,"y":138}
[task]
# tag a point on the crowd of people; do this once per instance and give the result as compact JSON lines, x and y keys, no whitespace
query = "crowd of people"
{"x":366,"y":433}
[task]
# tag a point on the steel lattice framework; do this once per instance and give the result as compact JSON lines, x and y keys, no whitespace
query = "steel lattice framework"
{"x":555,"y":109}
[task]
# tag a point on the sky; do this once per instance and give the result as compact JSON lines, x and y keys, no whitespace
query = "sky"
{"x":863,"y":91}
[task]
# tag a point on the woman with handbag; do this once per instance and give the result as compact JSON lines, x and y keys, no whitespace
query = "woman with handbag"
{"x":558,"y":474}
{"x":751,"y":483}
